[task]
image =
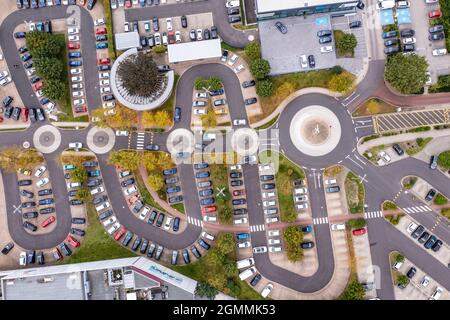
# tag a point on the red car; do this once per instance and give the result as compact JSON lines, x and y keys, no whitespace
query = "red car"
{"x":72,"y":241}
{"x":48,"y":221}
{"x":24,"y":114}
{"x":104,"y":61}
{"x":209,"y":209}
{"x":435,"y":14}
{"x":171,"y":37}
{"x":120,"y":233}
{"x":127,"y":3}
{"x":73,"y":45}
{"x":1,"y":119}
{"x":37,"y":86}
{"x":239,"y":192}
{"x":101,"y":30}
{"x":359,"y":232}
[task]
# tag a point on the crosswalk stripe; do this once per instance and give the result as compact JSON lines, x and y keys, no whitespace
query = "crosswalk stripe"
{"x":428,"y":208}
{"x":322,"y":220}
{"x":257,"y":228}
{"x":414,"y":210}
{"x":406,"y":210}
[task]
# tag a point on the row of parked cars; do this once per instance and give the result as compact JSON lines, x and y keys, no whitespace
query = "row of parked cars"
{"x":34,"y":4}
{"x":171,"y":174}
{"x":205,"y":191}
{"x":238,"y":194}
{"x":424,"y":237}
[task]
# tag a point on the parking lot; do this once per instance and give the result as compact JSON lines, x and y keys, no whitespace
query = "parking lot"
{"x":406,"y":120}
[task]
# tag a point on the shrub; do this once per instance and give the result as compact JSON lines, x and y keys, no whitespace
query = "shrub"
{"x":357,"y":223}
{"x":353,"y":291}
{"x":406,"y":73}
{"x":253,"y":51}
{"x":264,"y":88}
{"x":440,"y":199}
{"x":444,"y":160}
{"x":293,"y":237}
{"x":342,"y":82}
{"x":346,"y":44}
{"x":260,"y":68}
{"x":159,"y":49}
{"x":399,"y":258}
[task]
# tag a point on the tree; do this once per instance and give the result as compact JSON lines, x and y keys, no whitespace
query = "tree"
{"x":159,"y":49}
{"x":402,"y":280}
{"x":48,"y":68}
{"x":8,"y":156}
{"x":199,"y":83}
{"x":124,"y":118}
{"x":342,"y":82}
{"x":225,"y":243}
{"x":79,"y":175}
{"x":54,"y":89}
{"x":209,"y":119}
{"x":264,"y":88}
{"x":253,"y":51}
{"x":125,"y":159}
{"x":260,"y":68}
{"x":214,"y":83}
{"x":444,"y":159}
{"x":162,"y":119}
{"x":293,"y":237}
{"x":42,"y":44}
{"x":399,"y":258}
{"x":83,"y":194}
{"x":357,"y":223}
{"x":28,"y":158}
{"x":225,"y":214}
{"x":148,"y":119}
{"x":155,"y":180}
{"x":346,"y":44}
{"x":353,"y":291}
{"x":139,"y":74}
{"x":406,"y":73}
{"x":205,"y":290}
{"x":440,"y":199}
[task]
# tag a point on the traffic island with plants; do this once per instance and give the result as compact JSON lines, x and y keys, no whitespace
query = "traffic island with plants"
{"x":392,"y":218}
{"x":444,"y":160}
{"x":333,"y":171}
{"x":219,"y":178}
{"x":221,"y":271}
{"x":356,"y":223}
{"x":409,"y":182}
{"x":415,"y":146}
{"x":13,"y":158}
{"x":287,"y":173}
{"x":440,"y":199}
{"x":406,"y":73}
{"x":293,"y":237}
{"x":123,"y":119}
{"x":345,"y":44}
{"x":374,"y":106}
{"x":354,"y":190}
{"x":397,"y":277}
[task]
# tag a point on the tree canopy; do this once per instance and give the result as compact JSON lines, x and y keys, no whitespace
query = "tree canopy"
{"x":42,"y":44}
{"x":264,"y":88}
{"x":260,"y":68}
{"x":406,"y":73}
{"x":253,"y":50}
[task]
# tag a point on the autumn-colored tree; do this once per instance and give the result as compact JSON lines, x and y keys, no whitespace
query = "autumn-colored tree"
{"x":156,"y":181}
{"x":162,"y":119}
{"x":125,"y":159}
{"x":148,"y":119}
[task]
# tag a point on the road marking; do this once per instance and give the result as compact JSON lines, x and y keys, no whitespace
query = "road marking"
{"x":195,"y":221}
{"x":257,"y":228}
{"x":349,"y":96}
{"x":17,"y":209}
{"x":323,"y":220}
{"x":373,"y":214}
{"x":348,"y":157}
{"x":361,"y":160}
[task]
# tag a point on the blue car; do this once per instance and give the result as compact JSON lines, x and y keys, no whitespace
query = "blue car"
{"x":44,"y":100}
{"x":200,"y":175}
{"x":40,"y":26}
{"x":202,"y":165}
{"x":19,"y":35}
{"x":75,"y":63}
{"x":34,"y":4}
{"x":26,"y":57}
{"x":176,"y":224}
{"x":42,"y":3}
{"x":204,"y":193}
{"x":177,"y":115}
{"x":57,"y":2}
{"x":242,"y":236}
{"x":94,"y":173}
{"x":142,"y":3}
{"x":173,"y":189}
{"x":168,"y":172}
{"x":307,"y":229}
{"x":75,"y":54}
{"x":207,"y":201}
{"x":101,"y":45}
{"x":216,"y":92}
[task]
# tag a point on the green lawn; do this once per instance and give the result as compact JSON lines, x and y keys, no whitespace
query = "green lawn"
{"x":219,"y":178}
{"x":97,"y":244}
{"x":179,"y":207}
{"x":148,"y":199}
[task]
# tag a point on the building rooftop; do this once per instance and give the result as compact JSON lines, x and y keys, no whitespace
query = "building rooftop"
{"x":194,"y":50}
{"x":127,"y":40}
{"x":265,"y":6}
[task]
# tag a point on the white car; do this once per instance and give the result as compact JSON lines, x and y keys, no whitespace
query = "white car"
{"x":5,"y":81}
{"x":385,"y":156}
{"x":30,"y":72}
{"x":39,"y":93}
{"x":267,"y":290}
{"x":431,"y":1}
{"x":264,"y":167}
{"x":77,"y":94}
{"x":275,"y":249}
{"x":402,"y":4}
{"x":301,"y":198}
{"x":75,"y":71}
{"x":105,"y":89}
{"x":269,"y":203}
{"x":200,"y":111}
{"x":233,"y":60}
{"x":23,"y":258}
{"x":49,"y":3}
{"x":209,"y":218}
{"x":261,"y":249}
{"x":50,"y":107}
{"x":109,"y":104}
{"x":303,"y":61}
{"x":240,"y":221}
{"x":429,"y":81}
{"x":301,"y":206}
{"x":271,"y":219}
{"x":40,"y":171}
{"x":71,"y":185}
{"x":330,"y":181}
{"x":274,"y":241}
{"x":72,"y":31}
{"x":121,"y":133}
{"x":97,"y":191}
{"x":169,"y":24}
{"x":274,"y":233}
{"x":77,"y":79}
{"x":199,"y":34}
{"x":199,"y":103}
{"x":126,"y":26}
{"x":4,"y":74}
{"x":410,"y":40}
{"x":243,"y":245}
{"x":168,"y":223}
{"x":200,"y":95}
{"x":109,"y":221}
{"x":337,"y":226}
{"x":144,"y":212}
{"x":177,"y":36}
{"x":99,"y":22}
{"x":74,"y":38}
{"x":267,"y":195}
{"x":165,"y":39}
{"x":326,"y":49}
{"x":104,"y":82}
{"x":157,"y":39}
{"x":114,"y":227}
{"x":236,"y":167}
{"x":439,"y":52}
{"x":239,"y":122}
{"x":78,"y":102}
{"x":436,"y":294}
{"x":103,"y":75}
{"x":77,"y":86}
{"x":300,"y":191}
{"x":130,"y":190}
{"x":42,"y":182}
{"x":232,"y":3}
{"x":110,"y":112}
{"x":207,"y":236}
{"x":75,"y":145}
{"x":397,"y":265}
{"x":425,"y":281}
{"x":239,"y":68}
{"x":411,"y":227}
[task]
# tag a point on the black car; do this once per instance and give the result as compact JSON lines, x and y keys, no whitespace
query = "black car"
{"x":192,"y":35}
{"x":390,"y":42}
{"x":233,"y":10}
{"x":46,"y":210}
{"x":99,"y":199}
{"x":136,"y":243}
{"x":430,"y":195}
{"x":77,"y":232}
{"x":151,"y":41}
{"x":240,"y":211}
{"x":106,"y":214}
{"x":398,"y":149}
{"x":236,"y":183}
{"x":152,"y":217}
{"x":238,"y":202}
{"x":7,"y":248}
{"x":206,"y":34}
{"x":28,"y":65}
{"x":175,"y":199}
{"x":108,"y":97}
{"x":16,"y":113}
{"x":94,"y":183}
{"x":205,"y":193}
{"x":249,"y":83}
{"x":436,"y":36}
{"x":31,"y":256}
{"x":144,"y":245}
{"x":437,"y":28}
{"x":255,"y":280}
{"x":430,"y":242}
{"x":437,"y":245}
{"x":19,"y":4}
{"x":307,"y":245}
{"x":101,"y":37}
{"x":27,"y":193}
{"x":281,"y":27}
{"x":151,"y":250}
{"x":333,"y":189}
{"x":40,"y":258}
{"x":163,"y":68}
{"x":250,"y":101}
{"x":323,"y":40}
{"x":65,"y":249}
{"x":411,"y":272}
{"x":78,"y":220}
{"x":22,"y":183}
{"x":184,"y":23}
{"x":267,"y":177}
{"x":324,"y":33}
{"x":407,"y":33}
{"x":126,"y":240}
{"x":7,"y":101}
{"x":409,"y":47}
{"x":160,"y":219}
{"x":195,"y":252}
{"x":126,"y":183}
{"x":155,"y":24}
{"x":234,"y":19}
{"x":22,"y":49}
{"x":311,"y":61}
{"x":203,"y":244}
{"x":423,"y":238}
{"x":28,"y":204}
{"x":8,"y":111}
{"x":143,"y":41}
{"x":48,"y":26}
{"x":214,"y":32}
{"x":76,"y":202}
{"x":43,"y":202}
{"x":45,"y":192}
{"x":360,"y":5}
{"x":29,"y":226}
{"x":268,"y":186}
{"x":391,"y":50}
{"x":30,"y":215}
{"x":138,"y":206}
{"x":186,"y":257}
{"x":235,"y":174}
{"x":91,"y":4}
{"x":354,"y":24}
{"x":217,"y":92}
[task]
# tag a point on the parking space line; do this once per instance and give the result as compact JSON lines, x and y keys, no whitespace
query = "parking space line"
{"x":412,"y":121}
{"x":434,"y":116}
{"x":418,"y":117}
{"x":394,"y":123}
{"x":404,"y":119}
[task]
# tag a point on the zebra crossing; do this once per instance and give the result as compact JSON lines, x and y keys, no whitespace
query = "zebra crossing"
{"x":140,"y":140}
{"x":257,"y":228}
{"x":320,"y":220}
{"x":195,"y":221}
{"x":373,"y":214}
{"x":417,"y":209}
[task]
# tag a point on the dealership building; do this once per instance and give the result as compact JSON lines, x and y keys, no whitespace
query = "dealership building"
{"x":275,"y":9}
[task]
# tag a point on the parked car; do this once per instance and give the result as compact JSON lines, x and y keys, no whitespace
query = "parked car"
{"x":281,"y":27}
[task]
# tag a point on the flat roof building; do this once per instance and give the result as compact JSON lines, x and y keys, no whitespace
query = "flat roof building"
{"x":127,"y":40}
{"x":194,"y":50}
{"x":270,"y":9}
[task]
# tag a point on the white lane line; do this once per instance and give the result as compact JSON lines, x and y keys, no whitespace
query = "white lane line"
{"x":348,"y":157}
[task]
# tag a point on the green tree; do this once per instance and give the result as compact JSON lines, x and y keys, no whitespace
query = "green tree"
{"x":225,"y":214}
{"x":225,"y":243}
{"x":399,"y":258}
{"x":42,"y":44}
{"x":440,"y":199}
{"x":49,"y":68}
{"x":264,"y":88}
{"x":203,"y":289}
{"x":402,"y":280}
{"x":125,"y":159}
{"x":353,"y":291}
{"x":357,"y":223}
{"x":346,"y":44}
{"x":260,"y":68}
{"x":253,"y":51}
{"x":293,"y":237}
{"x":159,"y":49}
{"x":209,"y":120}
{"x":342,"y":82}
{"x":54,"y":89}
{"x":406,"y":73}
{"x":156,"y":181}
{"x":79,"y":175}
{"x":199,"y":83}
{"x":214,"y":83}
{"x":83,"y":194}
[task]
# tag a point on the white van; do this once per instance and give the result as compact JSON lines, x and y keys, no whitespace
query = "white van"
{"x":387,"y":4}
{"x":102,"y":206}
{"x":245,"y":263}
{"x":337,"y":226}
{"x":436,"y":294}
{"x":207,"y":236}
{"x":209,"y":136}
{"x":247,"y":273}
{"x":144,"y":212}
{"x":298,"y":191}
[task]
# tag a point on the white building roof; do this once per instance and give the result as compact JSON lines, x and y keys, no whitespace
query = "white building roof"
{"x":127,"y":40}
{"x":194,"y":50}
{"x":264,"y":6}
